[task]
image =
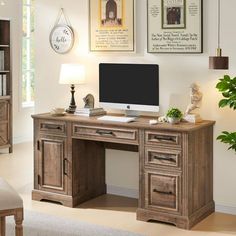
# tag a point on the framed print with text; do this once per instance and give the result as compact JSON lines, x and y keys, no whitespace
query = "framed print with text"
{"x":175,"y":26}
{"x":111,"y":25}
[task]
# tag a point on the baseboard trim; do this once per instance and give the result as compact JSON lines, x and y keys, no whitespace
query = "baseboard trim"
{"x":134,"y":193}
{"x":21,"y":139}
{"x":126,"y":192}
{"x":225,"y":209}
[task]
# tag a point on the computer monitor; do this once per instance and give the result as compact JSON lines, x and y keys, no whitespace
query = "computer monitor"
{"x":129,"y":87}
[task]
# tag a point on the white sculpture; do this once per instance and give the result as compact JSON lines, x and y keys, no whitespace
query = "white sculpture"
{"x":196,"y":98}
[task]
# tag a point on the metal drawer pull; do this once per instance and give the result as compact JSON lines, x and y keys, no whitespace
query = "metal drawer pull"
{"x":53,"y":127}
{"x":162,"y":192}
{"x":65,"y":167}
{"x":165,"y":138}
{"x":164,"y":158}
{"x":104,"y":132}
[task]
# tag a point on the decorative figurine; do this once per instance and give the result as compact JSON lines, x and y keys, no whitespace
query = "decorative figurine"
{"x":88,"y":101}
{"x":196,"y":98}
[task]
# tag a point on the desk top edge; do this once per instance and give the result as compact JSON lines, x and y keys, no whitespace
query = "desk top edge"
{"x":141,"y":122}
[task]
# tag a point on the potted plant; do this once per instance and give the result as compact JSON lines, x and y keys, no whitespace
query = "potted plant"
{"x":174,"y":115}
{"x":227,"y":86}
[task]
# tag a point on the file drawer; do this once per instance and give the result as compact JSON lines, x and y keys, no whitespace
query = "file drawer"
{"x":163,"y":191}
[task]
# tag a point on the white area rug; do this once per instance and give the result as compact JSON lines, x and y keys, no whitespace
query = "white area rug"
{"x":38,"y":224}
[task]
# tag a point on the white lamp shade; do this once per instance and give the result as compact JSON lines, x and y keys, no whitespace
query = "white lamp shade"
{"x":72,"y":74}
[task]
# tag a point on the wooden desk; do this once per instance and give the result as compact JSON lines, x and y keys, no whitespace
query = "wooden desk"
{"x":175,"y":164}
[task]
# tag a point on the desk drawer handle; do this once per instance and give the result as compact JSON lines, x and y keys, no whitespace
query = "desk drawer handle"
{"x":65,"y":167}
{"x":104,"y":132}
{"x":162,"y":192}
{"x":164,"y":158}
{"x":163,"y":138}
{"x":53,"y":127}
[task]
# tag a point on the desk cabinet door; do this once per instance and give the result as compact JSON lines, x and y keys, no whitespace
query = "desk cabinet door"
{"x":4,"y":124}
{"x":52,"y":164}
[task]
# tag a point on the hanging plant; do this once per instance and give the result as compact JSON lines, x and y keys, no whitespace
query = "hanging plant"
{"x":227,"y":86}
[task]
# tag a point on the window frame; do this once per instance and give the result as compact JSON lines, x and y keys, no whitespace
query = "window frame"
{"x":29,"y":69}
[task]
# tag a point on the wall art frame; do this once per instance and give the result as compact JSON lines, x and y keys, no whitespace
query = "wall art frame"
{"x":175,"y":26}
{"x":62,"y":35}
{"x":111,"y":25}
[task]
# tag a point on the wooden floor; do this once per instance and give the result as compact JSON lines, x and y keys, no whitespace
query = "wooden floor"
{"x":108,"y":210}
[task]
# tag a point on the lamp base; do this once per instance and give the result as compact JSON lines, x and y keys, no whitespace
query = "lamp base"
{"x":72,"y":106}
{"x":71,"y":109}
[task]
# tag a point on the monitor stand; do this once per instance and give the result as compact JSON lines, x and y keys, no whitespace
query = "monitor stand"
{"x":131,"y":113}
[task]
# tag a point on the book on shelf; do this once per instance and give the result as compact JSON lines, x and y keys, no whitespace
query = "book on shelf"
{"x":3,"y":85}
{"x":1,"y":60}
{"x":90,"y":111}
{"x":0,"y":85}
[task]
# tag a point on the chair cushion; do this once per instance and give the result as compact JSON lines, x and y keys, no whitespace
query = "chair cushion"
{"x":9,"y":198}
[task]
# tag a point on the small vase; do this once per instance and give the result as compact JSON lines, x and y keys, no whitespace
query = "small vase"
{"x":173,"y":120}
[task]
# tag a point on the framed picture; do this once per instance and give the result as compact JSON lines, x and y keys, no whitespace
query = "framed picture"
{"x":111,"y":25}
{"x":175,"y":26}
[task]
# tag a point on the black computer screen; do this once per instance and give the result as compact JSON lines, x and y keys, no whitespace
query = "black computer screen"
{"x":129,"y":83}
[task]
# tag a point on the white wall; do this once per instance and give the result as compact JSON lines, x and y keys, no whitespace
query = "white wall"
{"x":22,"y":122}
{"x":177,"y":72}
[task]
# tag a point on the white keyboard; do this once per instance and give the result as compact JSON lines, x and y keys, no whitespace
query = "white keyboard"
{"x":122,"y":119}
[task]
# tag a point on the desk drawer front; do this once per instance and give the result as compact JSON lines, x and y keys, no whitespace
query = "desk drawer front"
{"x":162,"y":157}
{"x":52,"y":127}
{"x":4,"y":133}
{"x":4,"y":111}
{"x":165,"y":138}
{"x":105,"y":133}
{"x":162,"y":192}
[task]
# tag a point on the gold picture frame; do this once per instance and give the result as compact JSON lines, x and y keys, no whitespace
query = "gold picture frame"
{"x":111,"y":25}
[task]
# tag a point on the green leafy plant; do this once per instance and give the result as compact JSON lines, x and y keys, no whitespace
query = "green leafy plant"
{"x":229,"y":138}
{"x":174,"y":113}
{"x":227,"y":86}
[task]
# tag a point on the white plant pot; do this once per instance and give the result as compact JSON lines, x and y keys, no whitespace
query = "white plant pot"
{"x":173,"y":120}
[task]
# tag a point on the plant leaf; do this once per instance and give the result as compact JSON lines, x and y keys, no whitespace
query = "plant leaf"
{"x":223,"y":103}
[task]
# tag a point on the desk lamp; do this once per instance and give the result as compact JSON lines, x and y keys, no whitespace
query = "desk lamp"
{"x":72,"y":74}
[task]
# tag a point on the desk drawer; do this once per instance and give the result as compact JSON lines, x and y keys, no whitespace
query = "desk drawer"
{"x":163,"y":138}
{"x":106,"y":133}
{"x":52,"y":127}
{"x":162,"y":191}
{"x":160,"y":157}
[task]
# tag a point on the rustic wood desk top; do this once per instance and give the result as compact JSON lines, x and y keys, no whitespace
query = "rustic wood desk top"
{"x":140,"y":122}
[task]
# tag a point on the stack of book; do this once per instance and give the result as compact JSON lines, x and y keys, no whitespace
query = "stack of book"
{"x":3,"y":85}
{"x":90,"y":111}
